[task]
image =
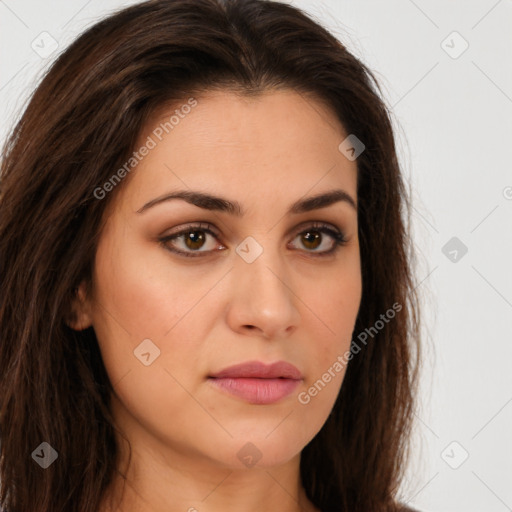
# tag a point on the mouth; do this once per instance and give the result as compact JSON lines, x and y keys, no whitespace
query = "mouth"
{"x":258,"y":383}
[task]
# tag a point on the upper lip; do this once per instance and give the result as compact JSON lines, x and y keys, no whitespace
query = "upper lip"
{"x":257,"y":369}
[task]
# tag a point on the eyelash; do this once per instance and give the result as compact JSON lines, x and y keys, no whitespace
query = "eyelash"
{"x":339,"y":239}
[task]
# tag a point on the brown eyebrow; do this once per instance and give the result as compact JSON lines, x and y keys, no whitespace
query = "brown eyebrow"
{"x":210,"y":202}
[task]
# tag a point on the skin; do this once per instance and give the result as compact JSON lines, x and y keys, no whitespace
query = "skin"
{"x":216,"y":310}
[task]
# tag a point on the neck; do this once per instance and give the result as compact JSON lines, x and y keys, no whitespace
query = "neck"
{"x":198,"y":486}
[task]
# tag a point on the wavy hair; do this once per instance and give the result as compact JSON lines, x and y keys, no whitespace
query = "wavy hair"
{"x":82,"y":122}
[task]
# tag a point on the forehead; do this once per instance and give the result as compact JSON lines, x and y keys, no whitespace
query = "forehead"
{"x":278,"y":144}
{"x":224,"y":118}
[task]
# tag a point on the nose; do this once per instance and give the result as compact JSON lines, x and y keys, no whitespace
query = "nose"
{"x":263,"y":302}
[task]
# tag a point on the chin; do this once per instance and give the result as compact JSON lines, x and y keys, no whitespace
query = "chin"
{"x":260,"y":451}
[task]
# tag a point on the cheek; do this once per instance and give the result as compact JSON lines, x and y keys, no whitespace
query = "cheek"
{"x":141,"y":295}
{"x":147,"y":307}
{"x":141,"y":290}
{"x":336,"y":304}
{"x":334,"y":309}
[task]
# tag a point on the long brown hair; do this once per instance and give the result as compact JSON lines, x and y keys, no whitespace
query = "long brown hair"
{"x":80,"y":125}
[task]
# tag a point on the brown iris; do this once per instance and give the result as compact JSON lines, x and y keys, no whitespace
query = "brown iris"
{"x":313,"y":237}
{"x":197,"y":237}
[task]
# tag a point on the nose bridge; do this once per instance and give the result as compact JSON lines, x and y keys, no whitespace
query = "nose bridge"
{"x":261,"y":263}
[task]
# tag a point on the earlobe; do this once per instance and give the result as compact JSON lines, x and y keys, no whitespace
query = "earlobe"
{"x":80,"y":317}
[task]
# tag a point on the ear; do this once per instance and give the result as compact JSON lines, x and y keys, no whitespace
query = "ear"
{"x":80,"y":317}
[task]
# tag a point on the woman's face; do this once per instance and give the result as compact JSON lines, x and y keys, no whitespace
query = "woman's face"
{"x":269,"y":285}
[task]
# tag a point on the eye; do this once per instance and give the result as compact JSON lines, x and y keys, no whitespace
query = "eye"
{"x":194,"y":237}
{"x":312,"y":238}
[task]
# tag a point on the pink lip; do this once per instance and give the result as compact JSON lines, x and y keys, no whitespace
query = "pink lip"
{"x":257,"y":382}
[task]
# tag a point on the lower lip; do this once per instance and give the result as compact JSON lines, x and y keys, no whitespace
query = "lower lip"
{"x":257,"y":391}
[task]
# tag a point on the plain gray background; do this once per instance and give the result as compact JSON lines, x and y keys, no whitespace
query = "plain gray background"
{"x":445,"y":70}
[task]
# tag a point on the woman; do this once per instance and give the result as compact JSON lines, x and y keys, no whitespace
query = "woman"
{"x":208,"y":297}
